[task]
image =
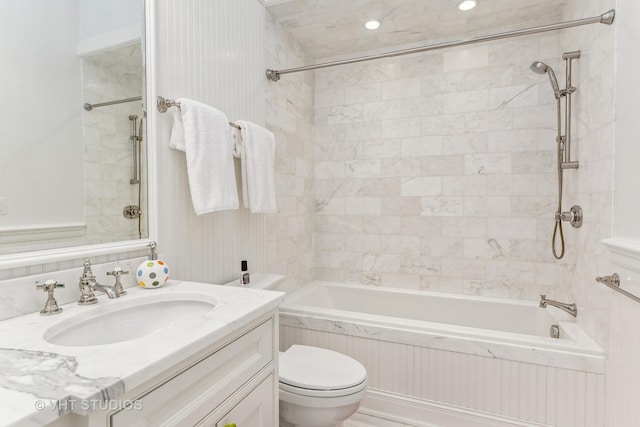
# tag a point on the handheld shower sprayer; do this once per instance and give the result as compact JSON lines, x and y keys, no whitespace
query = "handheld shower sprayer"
{"x":563,"y":147}
{"x":542,"y":68}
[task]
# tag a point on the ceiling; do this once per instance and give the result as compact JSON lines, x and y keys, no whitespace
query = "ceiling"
{"x":330,"y":28}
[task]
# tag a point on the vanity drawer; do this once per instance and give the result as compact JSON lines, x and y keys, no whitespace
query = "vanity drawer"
{"x":189,"y":396}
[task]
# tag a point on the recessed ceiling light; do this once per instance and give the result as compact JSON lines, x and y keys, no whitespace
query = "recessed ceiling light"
{"x":372,"y":25}
{"x":467,"y":4}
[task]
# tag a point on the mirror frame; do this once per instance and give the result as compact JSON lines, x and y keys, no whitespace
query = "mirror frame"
{"x":23,"y":259}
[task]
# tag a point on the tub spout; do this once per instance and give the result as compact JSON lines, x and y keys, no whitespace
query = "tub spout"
{"x":569,"y":308}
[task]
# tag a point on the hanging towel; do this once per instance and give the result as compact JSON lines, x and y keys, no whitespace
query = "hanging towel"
{"x":256,"y":147}
{"x":202,"y":132}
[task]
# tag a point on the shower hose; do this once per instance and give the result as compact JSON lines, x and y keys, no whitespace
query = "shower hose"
{"x":557,"y":229}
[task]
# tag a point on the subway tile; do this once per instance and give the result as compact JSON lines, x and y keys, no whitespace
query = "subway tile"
{"x":362,"y":168}
{"x":487,"y":248}
{"x":401,"y":167}
{"x":401,"y":206}
{"x":513,"y":96}
{"x":487,"y":206}
{"x":462,"y":102}
{"x":366,"y":92}
{"x":464,"y":227}
{"x":442,"y":206}
{"x":443,"y":166}
{"x":488,"y":164}
{"x":465,"y":58}
{"x":468,"y":143}
{"x":464,"y":185}
{"x":511,"y":228}
{"x":421,"y":186}
{"x":422,"y":146}
{"x":404,"y":88}
{"x":512,"y":185}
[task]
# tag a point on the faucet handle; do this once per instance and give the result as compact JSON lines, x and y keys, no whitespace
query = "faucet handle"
{"x":117,"y":272}
{"x":51,"y":305}
{"x":49,"y":285}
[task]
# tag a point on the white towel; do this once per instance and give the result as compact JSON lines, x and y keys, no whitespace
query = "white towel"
{"x":202,"y":132}
{"x":256,"y":147}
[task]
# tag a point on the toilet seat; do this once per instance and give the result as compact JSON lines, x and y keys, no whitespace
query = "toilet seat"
{"x":313,"y":371}
{"x":323,"y":393}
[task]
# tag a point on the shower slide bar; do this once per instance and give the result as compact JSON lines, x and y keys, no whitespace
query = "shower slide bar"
{"x":90,"y":107}
{"x":606,"y":18}
{"x":164,"y":104}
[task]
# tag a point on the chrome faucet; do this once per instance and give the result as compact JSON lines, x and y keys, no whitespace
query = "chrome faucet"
{"x":109,"y":290}
{"x":569,"y":308}
{"x":87,"y":284}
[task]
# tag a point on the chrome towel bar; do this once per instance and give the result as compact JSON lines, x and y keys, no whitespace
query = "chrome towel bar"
{"x":164,"y":104}
{"x":613,"y":282}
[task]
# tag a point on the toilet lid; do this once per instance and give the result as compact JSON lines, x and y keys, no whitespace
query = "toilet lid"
{"x":319,"y":369}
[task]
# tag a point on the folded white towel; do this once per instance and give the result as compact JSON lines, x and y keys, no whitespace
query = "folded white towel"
{"x":202,"y":132}
{"x":257,"y":147}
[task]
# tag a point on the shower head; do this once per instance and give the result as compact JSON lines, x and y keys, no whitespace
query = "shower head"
{"x":542,"y":68}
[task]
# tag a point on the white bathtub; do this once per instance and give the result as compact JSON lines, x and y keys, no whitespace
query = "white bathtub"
{"x":494,"y":327}
{"x":443,"y":358}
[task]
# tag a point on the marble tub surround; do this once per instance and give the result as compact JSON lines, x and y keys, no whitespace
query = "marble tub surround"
{"x":437,"y":171}
{"x":19,"y":296}
{"x":63,"y":376}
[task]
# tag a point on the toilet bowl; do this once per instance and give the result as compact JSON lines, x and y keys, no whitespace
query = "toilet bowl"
{"x":319,"y":387}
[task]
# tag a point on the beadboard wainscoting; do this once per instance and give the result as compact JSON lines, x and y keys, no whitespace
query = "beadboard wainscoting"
{"x":488,"y":387}
{"x":212,"y":52}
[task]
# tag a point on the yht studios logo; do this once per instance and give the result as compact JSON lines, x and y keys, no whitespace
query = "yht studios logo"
{"x":63,"y":406}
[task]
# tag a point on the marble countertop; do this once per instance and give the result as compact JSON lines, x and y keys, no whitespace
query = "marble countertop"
{"x":39,"y":381}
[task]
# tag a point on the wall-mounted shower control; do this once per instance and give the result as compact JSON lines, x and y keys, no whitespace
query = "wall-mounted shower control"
{"x":574,"y":216}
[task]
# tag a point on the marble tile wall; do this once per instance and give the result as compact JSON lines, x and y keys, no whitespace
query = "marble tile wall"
{"x":290,"y":232}
{"x":437,"y":171}
{"x":106,"y":76}
{"x":591,"y":186}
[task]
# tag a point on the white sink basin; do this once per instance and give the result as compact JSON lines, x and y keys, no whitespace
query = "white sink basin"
{"x":125,"y":320}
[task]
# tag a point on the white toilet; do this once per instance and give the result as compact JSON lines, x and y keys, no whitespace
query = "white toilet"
{"x":319,"y":387}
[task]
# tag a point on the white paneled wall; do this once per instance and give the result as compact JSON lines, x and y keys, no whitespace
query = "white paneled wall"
{"x":524,"y":391}
{"x":212,"y":52}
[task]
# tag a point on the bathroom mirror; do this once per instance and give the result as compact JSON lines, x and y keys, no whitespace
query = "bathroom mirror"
{"x":73,"y":168}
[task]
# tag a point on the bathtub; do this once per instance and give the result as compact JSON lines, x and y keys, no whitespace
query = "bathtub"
{"x":495,"y":327}
{"x":453,"y":342}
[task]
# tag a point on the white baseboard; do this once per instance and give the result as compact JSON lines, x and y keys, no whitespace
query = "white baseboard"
{"x":423,"y":413}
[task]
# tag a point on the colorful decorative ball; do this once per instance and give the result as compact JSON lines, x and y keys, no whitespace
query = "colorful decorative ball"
{"x":152,"y":273}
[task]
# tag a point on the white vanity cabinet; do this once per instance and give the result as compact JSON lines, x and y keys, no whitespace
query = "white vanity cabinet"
{"x":233,"y":383}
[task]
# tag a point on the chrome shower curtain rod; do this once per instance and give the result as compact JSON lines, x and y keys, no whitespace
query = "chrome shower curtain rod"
{"x":605,"y":18}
